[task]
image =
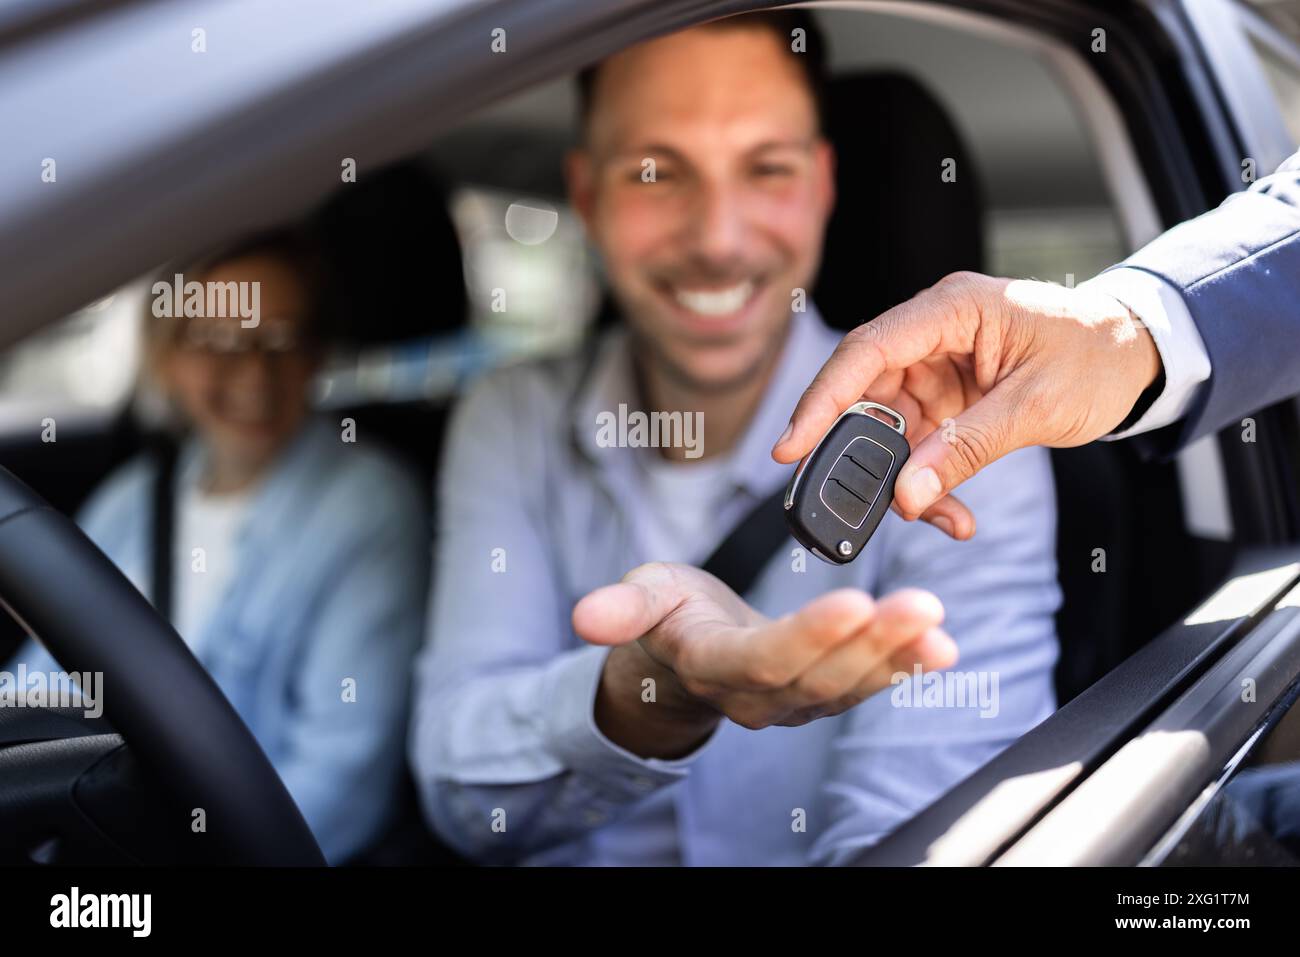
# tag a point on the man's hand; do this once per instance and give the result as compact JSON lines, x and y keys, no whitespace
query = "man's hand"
{"x":711,"y":655}
{"x":981,"y":367}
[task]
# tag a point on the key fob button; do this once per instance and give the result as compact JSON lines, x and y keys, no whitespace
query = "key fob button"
{"x":856,"y":479}
{"x":870,"y":457}
{"x":849,"y":506}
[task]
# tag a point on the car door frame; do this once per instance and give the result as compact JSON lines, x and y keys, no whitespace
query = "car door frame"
{"x":61,"y":250}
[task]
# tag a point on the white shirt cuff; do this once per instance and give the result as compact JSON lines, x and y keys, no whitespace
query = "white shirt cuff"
{"x":1161,"y":309}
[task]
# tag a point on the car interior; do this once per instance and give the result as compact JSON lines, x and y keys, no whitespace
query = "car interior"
{"x":1036,"y":194}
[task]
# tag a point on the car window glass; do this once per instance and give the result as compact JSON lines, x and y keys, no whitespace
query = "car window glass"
{"x":1283,"y":15}
{"x":1284,"y":77}
{"x":532,"y":291}
{"x":89,"y":359}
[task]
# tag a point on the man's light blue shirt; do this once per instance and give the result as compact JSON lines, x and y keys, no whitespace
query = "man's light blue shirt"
{"x":534,"y":513}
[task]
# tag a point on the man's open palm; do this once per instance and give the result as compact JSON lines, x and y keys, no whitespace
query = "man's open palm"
{"x":824,"y":658}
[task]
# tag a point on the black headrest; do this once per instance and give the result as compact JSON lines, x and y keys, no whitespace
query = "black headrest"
{"x":394,"y":257}
{"x":898,"y":227}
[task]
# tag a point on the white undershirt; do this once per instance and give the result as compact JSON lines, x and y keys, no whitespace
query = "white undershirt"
{"x":211,"y":523}
{"x":685,"y":499}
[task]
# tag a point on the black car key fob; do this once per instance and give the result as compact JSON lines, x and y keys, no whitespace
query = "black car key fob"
{"x":843,"y":487}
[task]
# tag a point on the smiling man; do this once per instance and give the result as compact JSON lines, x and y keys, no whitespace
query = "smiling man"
{"x":567,"y":716}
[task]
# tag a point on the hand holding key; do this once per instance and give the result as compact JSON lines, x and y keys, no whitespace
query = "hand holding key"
{"x":981,"y":367}
{"x":711,"y":655}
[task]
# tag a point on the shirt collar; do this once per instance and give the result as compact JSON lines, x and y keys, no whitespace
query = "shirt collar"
{"x":609,"y":380}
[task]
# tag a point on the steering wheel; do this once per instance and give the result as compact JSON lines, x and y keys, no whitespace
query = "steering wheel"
{"x":182,"y":733}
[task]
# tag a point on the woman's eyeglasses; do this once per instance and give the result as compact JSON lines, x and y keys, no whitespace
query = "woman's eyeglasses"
{"x":226,"y":336}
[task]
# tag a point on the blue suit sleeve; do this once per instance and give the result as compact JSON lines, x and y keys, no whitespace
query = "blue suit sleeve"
{"x":1237,"y":268}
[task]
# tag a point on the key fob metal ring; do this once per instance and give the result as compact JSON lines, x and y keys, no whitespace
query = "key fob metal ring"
{"x":843,"y":487}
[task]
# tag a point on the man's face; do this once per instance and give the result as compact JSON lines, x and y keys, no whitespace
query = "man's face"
{"x":704,"y":255}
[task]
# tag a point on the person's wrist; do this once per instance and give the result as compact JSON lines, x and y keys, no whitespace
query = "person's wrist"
{"x":1146,"y":379}
{"x":640,"y":705}
{"x":1149,"y":365}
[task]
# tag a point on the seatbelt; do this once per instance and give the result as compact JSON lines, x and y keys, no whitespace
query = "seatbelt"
{"x":163,"y":526}
{"x":751,"y":544}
